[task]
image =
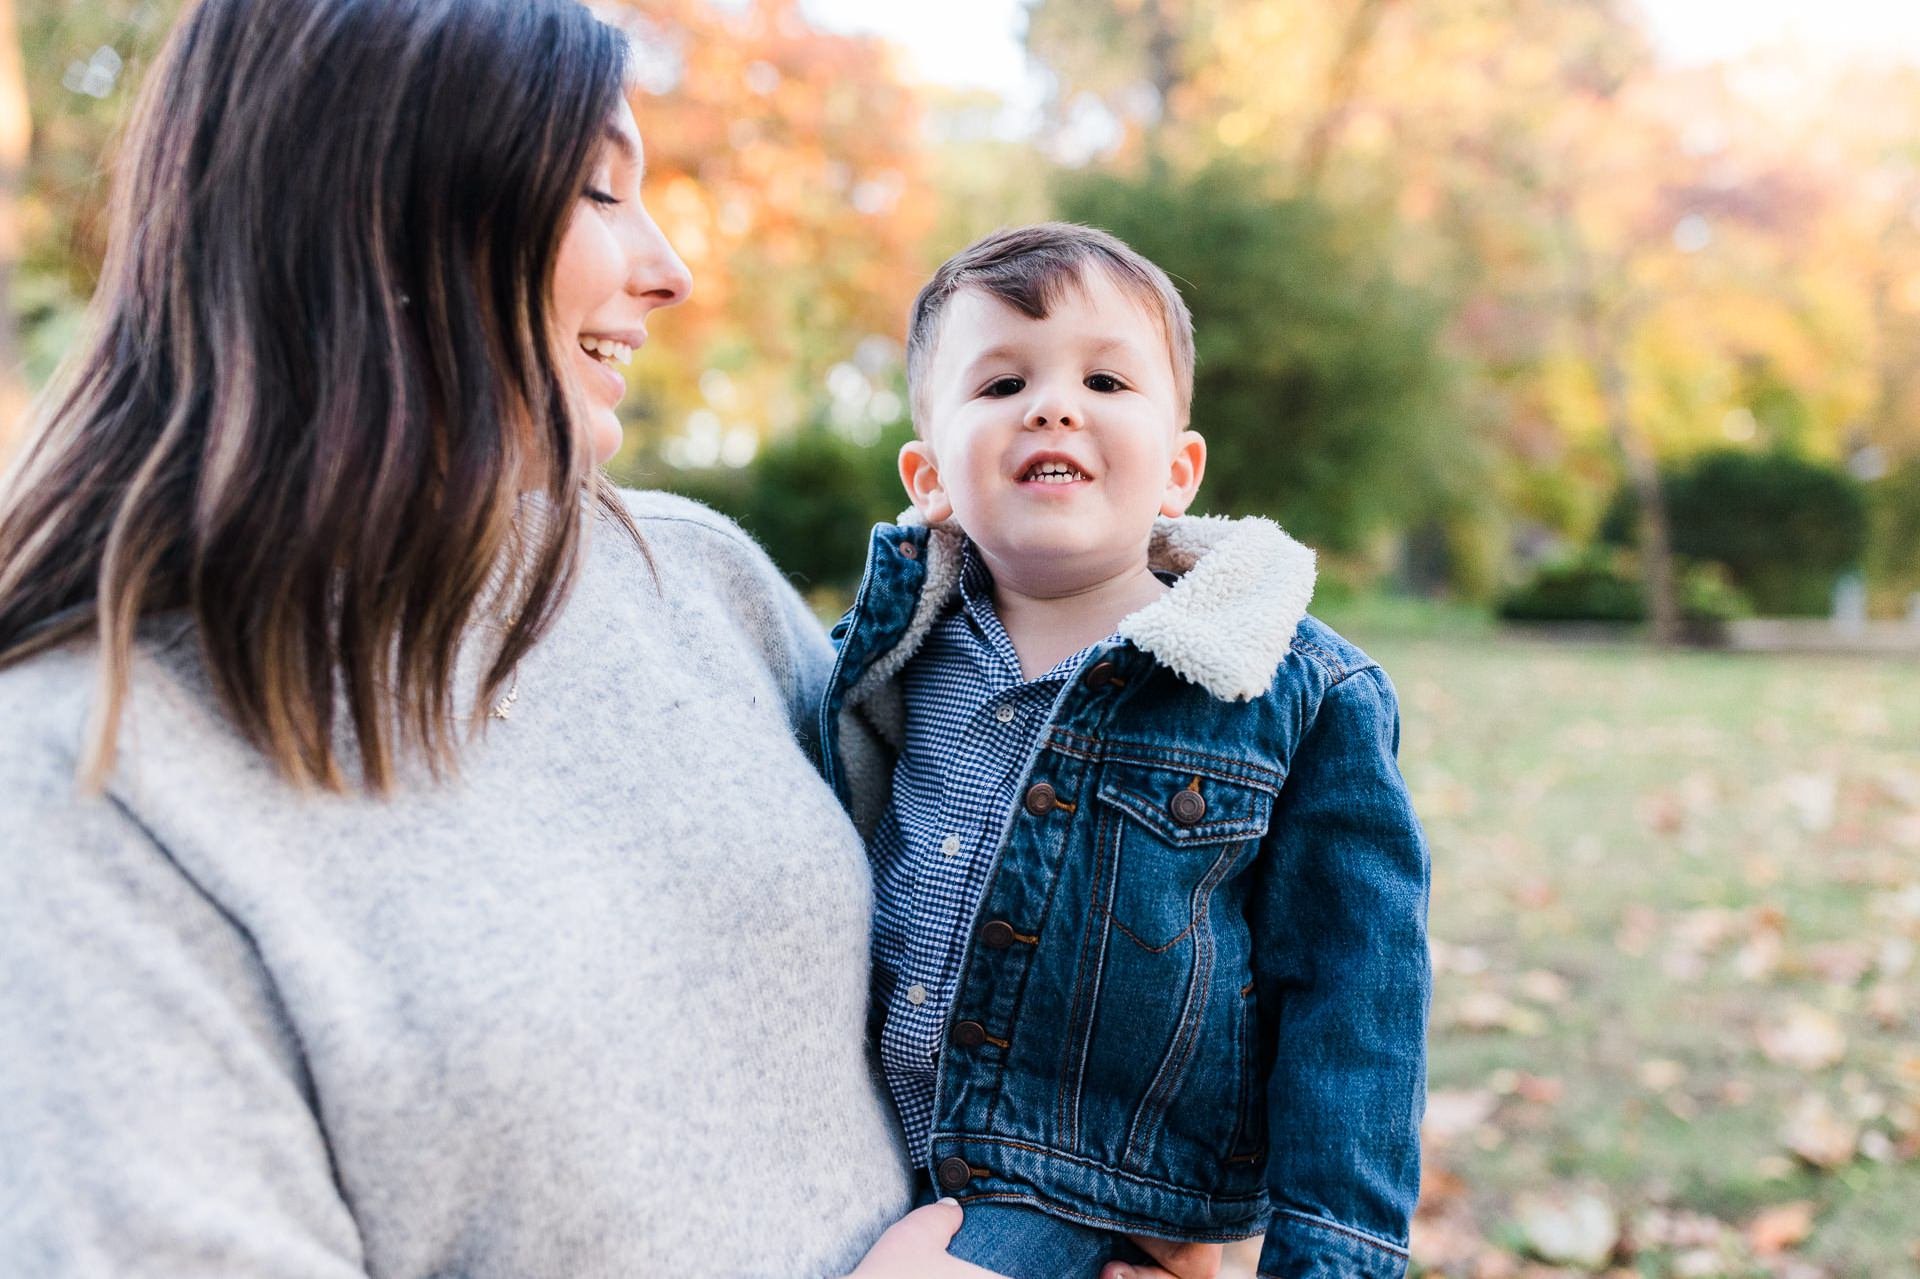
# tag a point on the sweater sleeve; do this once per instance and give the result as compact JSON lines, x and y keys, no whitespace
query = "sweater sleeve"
{"x":1346,"y":886}
{"x":155,"y":1117}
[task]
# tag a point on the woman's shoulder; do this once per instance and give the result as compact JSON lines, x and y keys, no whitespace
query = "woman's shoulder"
{"x":696,"y":547}
{"x":43,"y":703}
{"x":681,"y":519}
{"x":46,"y":699}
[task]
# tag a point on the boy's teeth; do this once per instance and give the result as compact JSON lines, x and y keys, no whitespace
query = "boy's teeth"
{"x":1054,"y":473}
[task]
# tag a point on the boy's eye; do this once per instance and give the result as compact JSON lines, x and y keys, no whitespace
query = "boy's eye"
{"x":1004,"y":386}
{"x":1106,"y":383}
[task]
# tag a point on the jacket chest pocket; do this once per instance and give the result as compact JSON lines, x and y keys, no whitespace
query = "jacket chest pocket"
{"x":1174,"y":835}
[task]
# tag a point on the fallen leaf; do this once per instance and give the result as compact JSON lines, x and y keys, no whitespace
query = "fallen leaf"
{"x":1805,"y":1038}
{"x":1490,"y":1010}
{"x":1544,"y":987}
{"x":1698,"y":1263}
{"x":1840,"y":963}
{"x":1811,"y":798}
{"x":1576,"y":1230}
{"x":1661,"y":1073}
{"x":1759,"y":958}
{"x":1678,"y":1228}
{"x":1781,"y":1227}
{"x":1453,"y":1113}
{"x":1818,"y":1134}
{"x":1542,"y":1090}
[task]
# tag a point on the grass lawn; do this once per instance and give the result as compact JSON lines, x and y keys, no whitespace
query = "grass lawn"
{"x":1676,"y":910}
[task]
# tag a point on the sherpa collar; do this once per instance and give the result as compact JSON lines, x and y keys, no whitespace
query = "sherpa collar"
{"x":1226,"y":624}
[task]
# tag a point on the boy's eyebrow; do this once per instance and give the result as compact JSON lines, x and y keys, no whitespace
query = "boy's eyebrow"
{"x":1004,"y":351}
{"x":1010,"y":350}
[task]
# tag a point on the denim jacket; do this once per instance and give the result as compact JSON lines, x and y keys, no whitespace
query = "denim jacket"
{"x":1195,"y":1000}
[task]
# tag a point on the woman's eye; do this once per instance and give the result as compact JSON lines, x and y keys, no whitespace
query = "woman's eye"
{"x":1005,"y":386}
{"x":1106,"y":383}
{"x":601,"y":197}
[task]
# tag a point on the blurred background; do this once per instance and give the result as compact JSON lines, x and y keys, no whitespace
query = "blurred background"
{"x":1582,"y":337}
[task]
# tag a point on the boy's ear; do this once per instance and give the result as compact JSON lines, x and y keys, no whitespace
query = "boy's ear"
{"x":1183,"y":475}
{"x":920,"y":475}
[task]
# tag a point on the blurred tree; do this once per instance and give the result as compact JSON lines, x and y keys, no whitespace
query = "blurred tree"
{"x":1621,"y":244}
{"x":1322,"y":383}
{"x":80,"y":64}
{"x":16,"y":134}
{"x":786,"y":165}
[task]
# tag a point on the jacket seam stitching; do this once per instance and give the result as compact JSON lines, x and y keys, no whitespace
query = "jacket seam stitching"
{"x":1358,"y":1236}
{"x":1154,"y":1183}
{"x":1249,"y":772}
{"x":1087,"y":1218}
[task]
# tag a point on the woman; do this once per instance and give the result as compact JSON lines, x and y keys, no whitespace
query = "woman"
{"x":303,"y":976}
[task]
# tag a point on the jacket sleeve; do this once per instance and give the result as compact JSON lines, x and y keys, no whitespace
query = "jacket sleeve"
{"x":155,"y":1114}
{"x":1342,"y":973}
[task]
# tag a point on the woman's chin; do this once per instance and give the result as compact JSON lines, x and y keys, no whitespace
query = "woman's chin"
{"x":604,"y":435}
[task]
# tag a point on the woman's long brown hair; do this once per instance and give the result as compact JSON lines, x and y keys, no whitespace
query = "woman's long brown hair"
{"x":320,"y":385}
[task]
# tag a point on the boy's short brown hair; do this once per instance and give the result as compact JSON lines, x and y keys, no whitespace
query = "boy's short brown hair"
{"x":1027,"y":268}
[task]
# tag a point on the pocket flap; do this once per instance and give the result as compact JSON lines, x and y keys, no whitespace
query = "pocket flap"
{"x":1222,"y":809}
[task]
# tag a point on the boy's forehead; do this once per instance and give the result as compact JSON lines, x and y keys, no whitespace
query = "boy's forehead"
{"x":1090,"y":302}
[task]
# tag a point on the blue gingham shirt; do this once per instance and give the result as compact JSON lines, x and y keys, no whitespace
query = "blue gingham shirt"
{"x":972,"y":724}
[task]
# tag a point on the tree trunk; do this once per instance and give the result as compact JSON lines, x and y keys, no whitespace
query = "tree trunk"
{"x":16,"y":133}
{"x":1163,"y":54}
{"x":1643,"y":473}
{"x":1343,"y":84}
{"x":1602,"y":332}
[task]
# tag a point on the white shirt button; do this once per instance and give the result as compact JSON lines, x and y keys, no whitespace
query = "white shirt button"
{"x":950,"y":845}
{"x":1004,"y":713}
{"x":916,"y":994}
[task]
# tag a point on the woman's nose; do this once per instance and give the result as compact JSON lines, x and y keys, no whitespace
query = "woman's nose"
{"x":656,"y":274}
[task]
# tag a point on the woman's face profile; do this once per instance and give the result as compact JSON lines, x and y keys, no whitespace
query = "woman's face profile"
{"x":614,"y":269}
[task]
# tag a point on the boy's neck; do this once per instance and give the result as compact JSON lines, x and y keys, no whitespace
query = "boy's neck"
{"x":1048,"y":623}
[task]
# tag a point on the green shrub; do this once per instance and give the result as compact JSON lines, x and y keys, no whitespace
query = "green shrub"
{"x":1894,"y":563}
{"x":1593,"y":587}
{"x":1602,"y":585}
{"x":1785,"y":527}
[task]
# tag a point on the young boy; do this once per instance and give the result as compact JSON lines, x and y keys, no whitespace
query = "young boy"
{"x":1149,"y":943}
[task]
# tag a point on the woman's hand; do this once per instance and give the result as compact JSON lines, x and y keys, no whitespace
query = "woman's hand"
{"x":1177,"y":1261}
{"x":915,"y":1247}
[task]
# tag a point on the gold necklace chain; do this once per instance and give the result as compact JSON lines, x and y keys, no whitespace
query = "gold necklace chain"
{"x":502,"y":707}
{"x":505,"y":704}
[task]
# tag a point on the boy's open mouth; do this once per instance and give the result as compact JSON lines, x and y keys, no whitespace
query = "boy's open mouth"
{"x":1053,"y":473}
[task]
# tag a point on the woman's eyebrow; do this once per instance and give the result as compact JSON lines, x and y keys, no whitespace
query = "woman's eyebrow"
{"x":624,"y":144}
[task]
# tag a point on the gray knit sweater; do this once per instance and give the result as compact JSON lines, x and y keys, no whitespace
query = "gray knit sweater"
{"x":594,"y":1009}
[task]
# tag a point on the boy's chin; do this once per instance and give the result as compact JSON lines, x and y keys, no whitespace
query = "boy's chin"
{"x":1049,"y":551}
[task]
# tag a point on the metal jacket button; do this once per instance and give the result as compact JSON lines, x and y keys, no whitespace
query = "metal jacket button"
{"x":997,"y":935}
{"x":1039,"y":799}
{"x":953,"y":1173}
{"x":1099,"y":675}
{"x":907,"y":550}
{"x":969,"y":1034}
{"x":1188,"y":806}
